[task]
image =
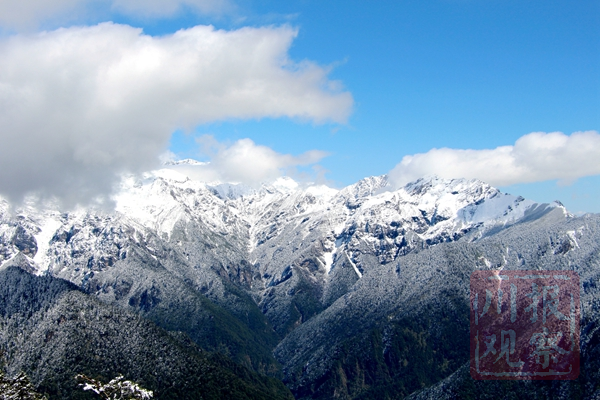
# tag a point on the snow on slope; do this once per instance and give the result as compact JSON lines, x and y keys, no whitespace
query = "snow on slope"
{"x":364,"y":218}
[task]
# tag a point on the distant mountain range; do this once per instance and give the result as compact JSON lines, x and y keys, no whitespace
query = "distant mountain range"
{"x":355,"y":293}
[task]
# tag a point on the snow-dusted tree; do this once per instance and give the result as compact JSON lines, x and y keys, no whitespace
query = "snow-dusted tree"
{"x":18,"y":388}
{"x":116,"y":389}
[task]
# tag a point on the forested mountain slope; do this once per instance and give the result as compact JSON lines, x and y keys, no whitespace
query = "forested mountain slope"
{"x":53,"y":331}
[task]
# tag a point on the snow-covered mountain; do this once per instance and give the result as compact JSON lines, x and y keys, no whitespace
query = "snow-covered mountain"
{"x":274,"y":265}
{"x":388,"y":222}
{"x":278,"y":230}
{"x":284,"y":235}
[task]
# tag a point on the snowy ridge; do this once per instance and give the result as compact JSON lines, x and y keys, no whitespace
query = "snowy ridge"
{"x":284,"y":224}
{"x":187,"y":161}
{"x":365,"y":218}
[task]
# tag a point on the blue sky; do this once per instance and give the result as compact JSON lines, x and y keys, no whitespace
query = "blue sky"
{"x":422,"y":75}
{"x":458,"y":74}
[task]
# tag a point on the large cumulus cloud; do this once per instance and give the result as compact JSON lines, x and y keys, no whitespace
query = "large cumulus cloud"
{"x":80,"y":105}
{"x":535,"y":157}
{"x":27,"y":14}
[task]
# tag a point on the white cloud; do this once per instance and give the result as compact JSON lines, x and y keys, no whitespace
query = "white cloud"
{"x":535,"y":157}
{"x":19,"y":14}
{"x":27,"y":13}
{"x":246,"y":162}
{"x":80,"y":105}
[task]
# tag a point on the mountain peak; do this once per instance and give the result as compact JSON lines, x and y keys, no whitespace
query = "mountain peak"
{"x":186,"y":161}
